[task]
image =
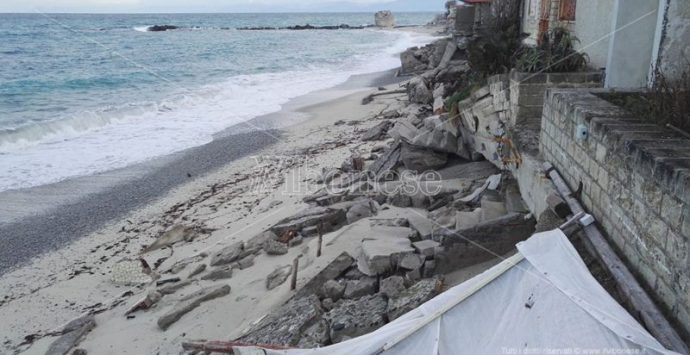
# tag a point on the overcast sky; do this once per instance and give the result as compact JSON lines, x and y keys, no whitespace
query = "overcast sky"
{"x":216,"y":5}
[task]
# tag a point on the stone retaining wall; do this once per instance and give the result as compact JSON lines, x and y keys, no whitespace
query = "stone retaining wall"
{"x":635,"y":181}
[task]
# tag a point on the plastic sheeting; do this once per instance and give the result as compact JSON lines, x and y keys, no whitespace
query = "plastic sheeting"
{"x":548,"y":303}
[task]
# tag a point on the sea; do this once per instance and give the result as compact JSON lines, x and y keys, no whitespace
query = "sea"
{"x":86,"y":93}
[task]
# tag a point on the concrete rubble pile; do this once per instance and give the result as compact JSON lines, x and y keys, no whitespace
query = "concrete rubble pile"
{"x":428,"y":204}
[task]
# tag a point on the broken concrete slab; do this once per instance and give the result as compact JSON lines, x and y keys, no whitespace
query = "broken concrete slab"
{"x":382,"y":247}
{"x":170,"y":289}
{"x":358,"y":288}
{"x":392,"y":286}
{"x":71,"y":334}
{"x":492,"y":206}
{"x":421,"y":159}
{"x":328,"y":218}
{"x":352,"y":318}
{"x":426,"y":247}
{"x":468,"y":170}
{"x":465,"y":220}
{"x":358,"y":211}
{"x":377,"y":132}
{"x":315,"y":336}
{"x":333,"y":289}
{"x":413,"y":297}
{"x":147,"y":302}
{"x":190,"y":303}
{"x":287,"y":325}
{"x":386,"y":162}
{"x":411,"y":262}
{"x":227,"y":255}
{"x":246,"y":262}
{"x":331,"y":272}
{"x":419,"y":222}
{"x":278,"y":277}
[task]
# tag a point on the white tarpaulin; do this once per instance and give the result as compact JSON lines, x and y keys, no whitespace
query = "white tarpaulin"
{"x":542,"y":301}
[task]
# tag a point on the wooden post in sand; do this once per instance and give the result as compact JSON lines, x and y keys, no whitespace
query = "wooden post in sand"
{"x":295,"y":266}
{"x":318,"y":247}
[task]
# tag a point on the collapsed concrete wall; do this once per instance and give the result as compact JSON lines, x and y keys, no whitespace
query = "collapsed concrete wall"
{"x":635,"y":182}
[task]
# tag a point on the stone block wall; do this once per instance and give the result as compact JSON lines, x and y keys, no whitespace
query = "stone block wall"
{"x":635,"y":181}
{"x":527,"y":91}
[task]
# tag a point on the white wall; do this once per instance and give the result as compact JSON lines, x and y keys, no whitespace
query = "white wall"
{"x":632,"y":43}
{"x":675,"y":47}
{"x":593,"y":24}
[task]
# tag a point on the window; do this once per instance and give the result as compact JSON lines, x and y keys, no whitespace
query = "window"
{"x":567,"y":11}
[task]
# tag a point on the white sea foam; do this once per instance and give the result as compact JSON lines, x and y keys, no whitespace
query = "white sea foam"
{"x":142,"y":28}
{"x":114,"y":138}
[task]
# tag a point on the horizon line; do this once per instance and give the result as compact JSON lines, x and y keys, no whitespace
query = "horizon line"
{"x":207,"y":13}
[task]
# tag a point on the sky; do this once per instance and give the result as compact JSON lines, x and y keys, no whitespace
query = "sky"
{"x":129,"y":6}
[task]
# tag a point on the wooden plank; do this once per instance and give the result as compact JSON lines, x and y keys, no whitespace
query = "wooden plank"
{"x":634,"y":294}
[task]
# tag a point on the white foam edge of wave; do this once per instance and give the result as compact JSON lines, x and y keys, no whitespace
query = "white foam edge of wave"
{"x":180,"y":122}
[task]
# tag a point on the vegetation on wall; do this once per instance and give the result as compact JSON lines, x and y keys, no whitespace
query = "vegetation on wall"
{"x":555,"y":53}
{"x":666,"y":102}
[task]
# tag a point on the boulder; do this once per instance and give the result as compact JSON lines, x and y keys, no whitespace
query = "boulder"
{"x":421,"y":159}
{"x":191,"y":302}
{"x":288,"y":324}
{"x":336,"y":268}
{"x":334,"y":290}
{"x":352,"y":318}
{"x":278,"y":277}
{"x":227,"y":255}
{"x":418,"y":92}
{"x":254,"y":245}
{"x":274,"y":247}
{"x":197,"y":270}
{"x":358,"y":288}
{"x":412,"y":298}
{"x":437,"y":139}
{"x":377,"y":132}
{"x":384,"y":19}
{"x":392,"y":286}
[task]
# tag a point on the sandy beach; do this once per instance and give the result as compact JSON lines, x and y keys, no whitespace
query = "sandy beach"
{"x":237,"y":186}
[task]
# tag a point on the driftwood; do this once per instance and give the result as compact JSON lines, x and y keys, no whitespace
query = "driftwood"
{"x":223,"y":347}
{"x":631,"y":290}
{"x":368,"y":99}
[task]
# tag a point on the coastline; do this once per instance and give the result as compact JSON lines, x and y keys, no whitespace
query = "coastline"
{"x":108,"y":196}
{"x":78,"y":245}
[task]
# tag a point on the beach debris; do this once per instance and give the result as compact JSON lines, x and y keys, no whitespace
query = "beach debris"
{"x":358,"y":211}
{"x":381,"y":248}
{"x":358,"y":288}
{"x":278,"y":277}
{"x":79,"y":352}
{"x":392,"y":286}
{"x":386,"y":162}
{"x":145,"y":303}
{"x":71,"y":334}
{"x":227,"y":255}
{"x":287,"y":236}
{"x":413,"y":297}
{"x":246,"y":262}
{"x":176,"y":234}
{"x":333,"y":290}
{"x":274,"y":247}
{"x":167,"y":281}
{"x":191,"y":302}
{"x":219,"y":273}
{"x":427,"y":248}
{"x":421,"y":159}
{"x":293,"y":279}
{"x":334,"y":270}
{"x":377,"y":132}
{"x":286,"y":325}
{"x":197,"y":270}
{"x":182,"y":264}
{"x":128,"y":272}
{"x":172,"y":288}
{"x":330,"y":219}
{"x":352,"y":318}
